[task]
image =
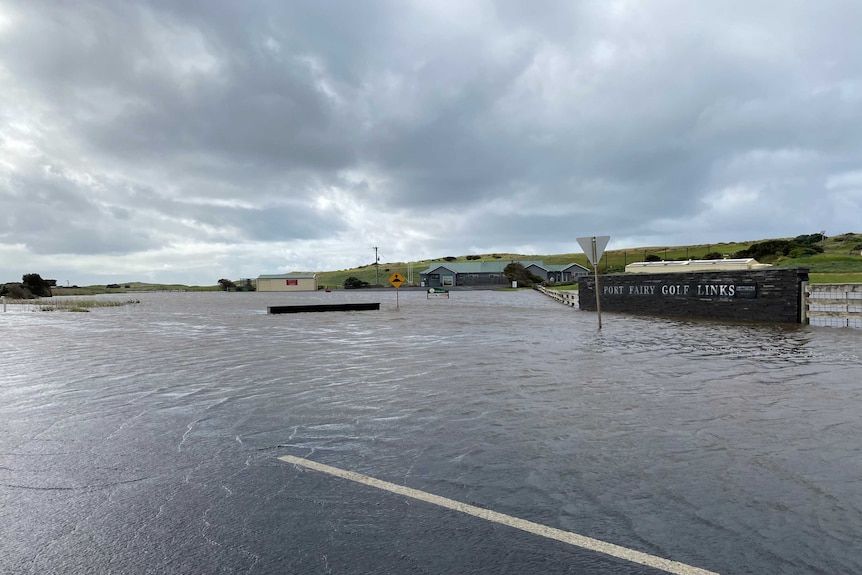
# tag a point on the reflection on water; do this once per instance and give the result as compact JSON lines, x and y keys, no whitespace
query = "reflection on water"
{"x":136,"y":431}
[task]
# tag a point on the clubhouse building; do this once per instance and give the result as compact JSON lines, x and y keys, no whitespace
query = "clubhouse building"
{"x":451,"y":274}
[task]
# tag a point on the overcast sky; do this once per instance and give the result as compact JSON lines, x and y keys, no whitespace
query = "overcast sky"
{"x":184,"y":142}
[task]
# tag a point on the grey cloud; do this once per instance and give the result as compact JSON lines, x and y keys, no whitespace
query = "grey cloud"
{"x":53,"y":215}
{"x":123,"y":92}
{"x":237,"y":117}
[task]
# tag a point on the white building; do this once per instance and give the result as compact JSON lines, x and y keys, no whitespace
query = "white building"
{"x":287,"y":282}
{"x":695,"y":266}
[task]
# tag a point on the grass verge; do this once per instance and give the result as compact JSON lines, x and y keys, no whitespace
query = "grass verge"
{"x":835,"y":278}
{"x":79,"y":305}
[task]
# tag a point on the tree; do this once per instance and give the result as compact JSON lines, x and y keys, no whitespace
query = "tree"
{"x":809,"y":239}
{"x":354,"y":282}
{"x":516,"y":272}
{"x":226,"y":285}
{"x":38,"y":286}
{"x":771,"y":249}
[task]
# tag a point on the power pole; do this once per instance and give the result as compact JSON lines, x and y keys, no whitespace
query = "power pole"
{"x":376,"y":267}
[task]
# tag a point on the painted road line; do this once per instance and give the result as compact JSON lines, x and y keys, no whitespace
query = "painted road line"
{"x":535,"y":528}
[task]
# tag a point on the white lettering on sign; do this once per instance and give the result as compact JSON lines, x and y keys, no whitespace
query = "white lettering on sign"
{"x":721,"y":290}
{"x":681,"y":290}
{"x":674,"y":289}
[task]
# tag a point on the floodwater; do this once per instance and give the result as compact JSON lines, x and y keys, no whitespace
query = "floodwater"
{"x":146,"y":438}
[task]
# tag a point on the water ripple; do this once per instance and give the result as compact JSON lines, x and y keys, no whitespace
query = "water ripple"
{"x":739,"y":443}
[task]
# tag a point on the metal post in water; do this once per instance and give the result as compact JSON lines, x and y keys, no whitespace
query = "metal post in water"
{"x":596,"y":272}
{"x":594,"y":247}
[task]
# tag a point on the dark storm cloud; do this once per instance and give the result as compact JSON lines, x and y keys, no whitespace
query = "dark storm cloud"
{"x":148,"y":125}
{"x":150,"y":87}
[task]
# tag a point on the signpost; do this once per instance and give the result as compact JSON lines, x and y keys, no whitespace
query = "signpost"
{"x":396,"y":279}
{"x":437,"y":292}
{"x":594,"y":247}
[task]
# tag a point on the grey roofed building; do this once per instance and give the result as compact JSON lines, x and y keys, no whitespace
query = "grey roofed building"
{"x":558,"y":272}
{"x":478,"y":273}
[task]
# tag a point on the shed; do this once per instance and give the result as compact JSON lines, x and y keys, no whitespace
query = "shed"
{"x":287,"y":282}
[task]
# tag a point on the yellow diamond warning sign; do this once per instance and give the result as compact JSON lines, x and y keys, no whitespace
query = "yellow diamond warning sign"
{"x":396,"y":279}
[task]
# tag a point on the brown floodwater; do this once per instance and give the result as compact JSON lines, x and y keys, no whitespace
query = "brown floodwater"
{"x":145,"y":438}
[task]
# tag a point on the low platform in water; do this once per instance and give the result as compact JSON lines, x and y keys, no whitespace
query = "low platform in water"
{"x":323,"y":307}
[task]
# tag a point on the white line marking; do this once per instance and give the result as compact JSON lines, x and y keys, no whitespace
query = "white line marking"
{"x":535,"y":528}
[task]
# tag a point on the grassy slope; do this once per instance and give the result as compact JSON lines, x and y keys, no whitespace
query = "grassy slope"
{"x":836,"y":265}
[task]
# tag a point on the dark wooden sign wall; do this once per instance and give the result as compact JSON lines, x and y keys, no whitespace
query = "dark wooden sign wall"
{"x":769,"y":295}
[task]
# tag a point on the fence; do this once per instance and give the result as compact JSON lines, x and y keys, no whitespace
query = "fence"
{"x":568,"y":297}
{"x":833,"y":305}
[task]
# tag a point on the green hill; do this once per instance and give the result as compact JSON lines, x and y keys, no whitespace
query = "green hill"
{"x":840,"y":262}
